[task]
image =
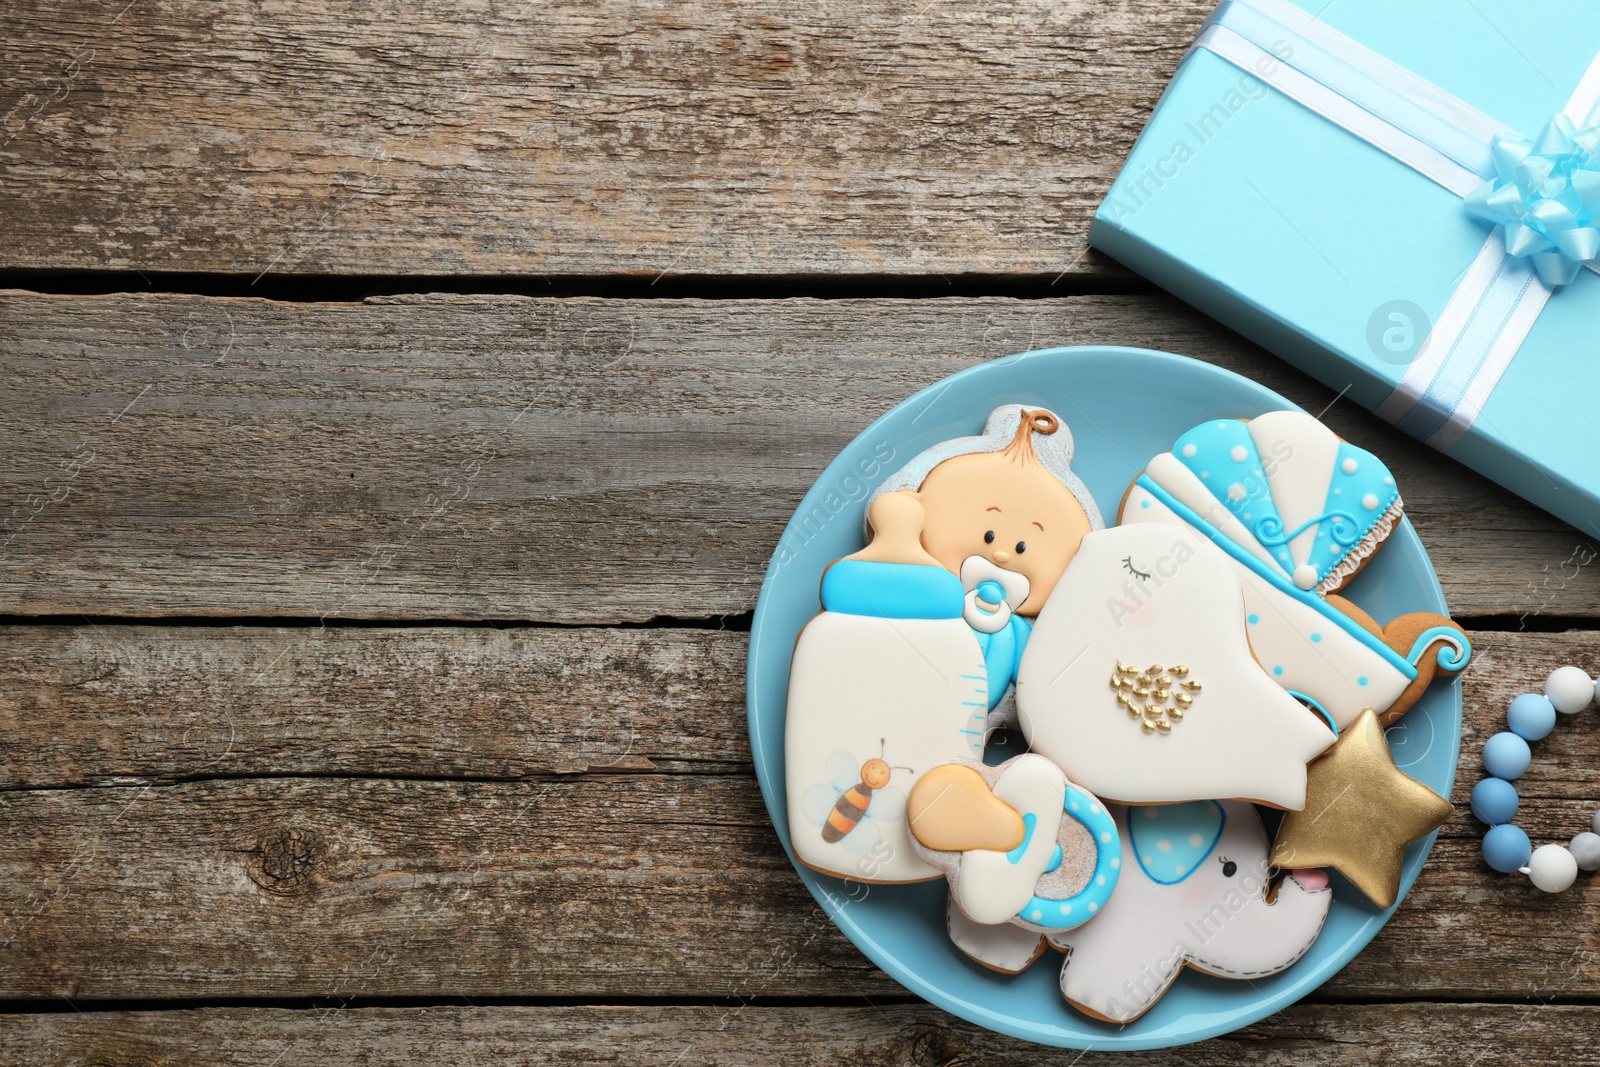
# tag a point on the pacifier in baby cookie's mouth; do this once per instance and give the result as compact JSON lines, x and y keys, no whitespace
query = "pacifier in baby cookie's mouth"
{"x":993,"y":593}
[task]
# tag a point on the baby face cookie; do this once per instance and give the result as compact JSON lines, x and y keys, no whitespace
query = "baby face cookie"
{"x":1139,"y":683}
{"x":920,"y":635}
{"x":1002,"y":517}
{"x":1002,"y":511}
{"x":1299,"y":513}
{"x":1018,"y":842}
{"x":1194,"y":893}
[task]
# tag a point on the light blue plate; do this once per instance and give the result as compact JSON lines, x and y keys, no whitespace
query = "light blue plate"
{"x":1124,"y":406}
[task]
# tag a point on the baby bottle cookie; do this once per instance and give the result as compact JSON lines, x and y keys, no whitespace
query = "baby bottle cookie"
{"x":921,"y":633}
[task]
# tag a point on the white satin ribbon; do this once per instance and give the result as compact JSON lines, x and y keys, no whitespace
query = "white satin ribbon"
{"x":1439,"y":136}
{"x":1340,"y":110}
{"x":1469,"y":348}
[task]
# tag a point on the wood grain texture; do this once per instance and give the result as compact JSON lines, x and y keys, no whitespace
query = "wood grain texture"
{"x":565,"y":812}
{"x":885,"y":1035}
{"x":569,"y":886}
{"x":116,"y":704}
{"x":573,"y":138}
{"x":577,"y":885}
{"x":564,"y":460}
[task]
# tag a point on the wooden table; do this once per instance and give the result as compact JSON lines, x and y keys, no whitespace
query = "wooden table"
{"x":401,"y":403}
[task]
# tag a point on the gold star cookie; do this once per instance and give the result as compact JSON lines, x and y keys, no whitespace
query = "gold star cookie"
{"x":1361,"y":812}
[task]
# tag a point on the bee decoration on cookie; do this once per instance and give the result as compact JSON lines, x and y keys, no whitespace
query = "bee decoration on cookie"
{"x":859,"y":795}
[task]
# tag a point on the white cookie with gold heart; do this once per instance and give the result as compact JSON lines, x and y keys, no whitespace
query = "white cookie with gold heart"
{"x":1139,"y":681}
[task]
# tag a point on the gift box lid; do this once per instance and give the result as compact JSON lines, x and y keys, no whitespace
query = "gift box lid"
{"x":1339,"y":257}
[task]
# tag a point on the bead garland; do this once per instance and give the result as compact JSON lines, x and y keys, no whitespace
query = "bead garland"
{"x":1506,"y":756}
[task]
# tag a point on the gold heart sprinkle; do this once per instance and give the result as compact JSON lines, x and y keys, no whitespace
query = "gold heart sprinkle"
{"x":1156,"y":699}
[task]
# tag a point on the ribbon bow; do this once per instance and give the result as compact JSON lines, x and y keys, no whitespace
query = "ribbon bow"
{"x":1545,"y":195}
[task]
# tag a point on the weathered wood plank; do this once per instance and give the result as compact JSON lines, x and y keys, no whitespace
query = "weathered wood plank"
{"x":605,"y":884}
{"x":886,"y":1035}
{"x":102,"y":704}
{"x":573,"y":138}
{"x":567,"y":460}
{"x":568,"y":886}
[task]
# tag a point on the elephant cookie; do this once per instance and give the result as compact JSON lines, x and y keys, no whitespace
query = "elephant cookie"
{"x":1139,"y":682}
{"x":1195,"y":892}
{"x":920,"y":635}
{"x":1299,"y":513}
{"x":1018,"y":842}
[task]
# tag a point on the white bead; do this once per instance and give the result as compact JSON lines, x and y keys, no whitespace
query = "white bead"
{"x":1552,"y":868}
{"x":1585,"y":848}
{"x":1569,"y":689}
{"x":1305,"y":576}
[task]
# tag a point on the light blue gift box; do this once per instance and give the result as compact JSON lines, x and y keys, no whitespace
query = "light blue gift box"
{"x":1338,"y":257}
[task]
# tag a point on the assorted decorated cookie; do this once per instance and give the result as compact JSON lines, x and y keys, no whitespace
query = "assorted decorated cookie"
{"x":1196,"y":891}
{"x":1166,"y":673}
{"x":1298,"y":512}
{"x":1018,"y":842}
{"x":1139,"y":681}
{"x":1004,"y":947}
{"x":1362,"y":812}
{"x":921,"y":633}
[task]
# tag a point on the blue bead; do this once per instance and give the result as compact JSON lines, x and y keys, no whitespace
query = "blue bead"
{"x":991,"y":592}
{"x":1506,"y":848}
{"x":1531,"y":716}
{"x":1494,"y":801}
{"x":1505,"y":755}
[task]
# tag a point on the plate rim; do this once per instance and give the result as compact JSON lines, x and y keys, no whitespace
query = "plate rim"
{"x":977,"y":1014}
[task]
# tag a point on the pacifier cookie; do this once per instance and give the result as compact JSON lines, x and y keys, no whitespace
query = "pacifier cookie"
{"x":1019,"y":843}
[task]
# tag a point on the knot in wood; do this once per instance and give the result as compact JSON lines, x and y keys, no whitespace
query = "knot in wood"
{"x":933,"y":1046}
{"x":284,"y":860}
